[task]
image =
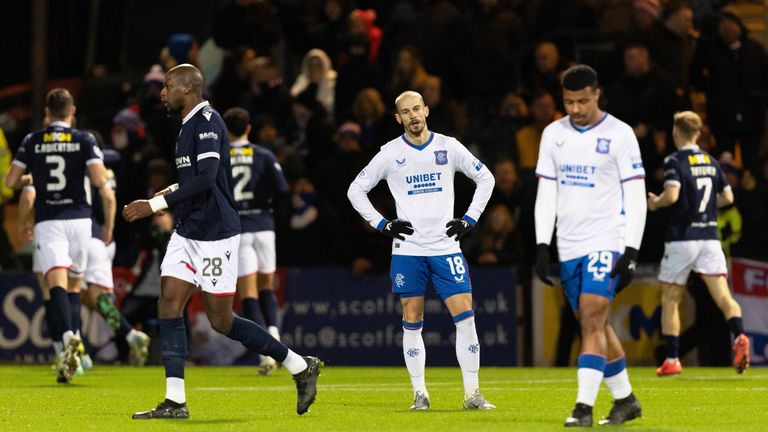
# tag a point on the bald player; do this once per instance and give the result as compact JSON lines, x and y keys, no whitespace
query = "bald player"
{"x":203,"y":248}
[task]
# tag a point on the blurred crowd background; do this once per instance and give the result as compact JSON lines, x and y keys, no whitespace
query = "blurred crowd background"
{"x":319,"y":78}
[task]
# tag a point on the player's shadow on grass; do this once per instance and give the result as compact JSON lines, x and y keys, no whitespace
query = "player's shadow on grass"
{"x":213,"y":421}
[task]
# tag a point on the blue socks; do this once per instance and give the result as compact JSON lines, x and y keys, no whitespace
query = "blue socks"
{"x":251,"y":310}
{"x":173,"y":346}
{"x":74,"y":306}
{"x":673,"y":346}
{"x":61,"y":310}
{"x":268,"y":303}
{"x":257,"y":339}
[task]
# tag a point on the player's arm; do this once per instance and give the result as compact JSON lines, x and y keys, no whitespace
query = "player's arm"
{"x":357,"y":193}
{"x":668,"y":197}
{"x":632,"y":176}
{"x":724,"y":191}
{"x":24,"y":212}
{"x":98,"y":175}
{"x":18,"y":165}
{"x":471,"y":167}
{"x":725,"y":198}
{"x":545,"y":207}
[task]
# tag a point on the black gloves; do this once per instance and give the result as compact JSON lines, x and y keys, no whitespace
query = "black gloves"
{"x":458,"y":227}
{"x":396,"y":228}
{"x":541,"y":268}
{"x":625,"y":268}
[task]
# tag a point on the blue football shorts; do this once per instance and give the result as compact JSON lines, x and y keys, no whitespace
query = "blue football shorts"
{"x":589,"y":275}
{"x":449,"y":275}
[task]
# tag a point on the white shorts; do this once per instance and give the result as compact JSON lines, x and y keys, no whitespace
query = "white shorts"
{"x":63,"y":243}
{"x":705,"y":257}
{"x":211,"y":265}
{"x":100,"y":256}
{"x":257,"y":253}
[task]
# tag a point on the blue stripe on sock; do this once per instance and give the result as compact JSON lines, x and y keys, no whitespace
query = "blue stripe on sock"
{"x":614,"y":367}
{"x":464,"y":315}
{"x":413,"y":325}
{"x":592,"y":361}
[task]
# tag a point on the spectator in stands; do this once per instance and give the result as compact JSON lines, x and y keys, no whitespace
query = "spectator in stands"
{"x":268,"y":100}
{"x":495,"y":131}
{"x":180,"y":48}
{"x":732,"y":69}
{"x":362,"y":22}
{"x":327,"y":32}
{"x":646,"y":101}
{"x":355,"y":74}
{"x":543,"y":112}
{"x":317,"y":78}
{"x":445,"y":114}
{"x":729,"y":221}
{"x":408,"y":72}
{"x":234,"y":81}
{"x":312,"y":128}
{"x":498,"y":241}
{"x":7,"y":261}
{"x":646,"y":12}
{"x":369,"y":111}
{"x":670,"y":42}
{"x":548,"y":65}
{"x":517,"y":193}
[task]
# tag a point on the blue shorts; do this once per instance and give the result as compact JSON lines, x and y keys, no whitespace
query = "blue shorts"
{"x":589,"y":275}
{"x":411,"y":274}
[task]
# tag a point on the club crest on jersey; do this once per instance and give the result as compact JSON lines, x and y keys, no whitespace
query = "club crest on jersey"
{"x":441,"y":157}
{"x":603,"y":145}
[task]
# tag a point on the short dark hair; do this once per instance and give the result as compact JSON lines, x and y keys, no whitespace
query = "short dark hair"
{"x":237,"y":120}
{"x":59,"y":101}
{"x":578,"y":77}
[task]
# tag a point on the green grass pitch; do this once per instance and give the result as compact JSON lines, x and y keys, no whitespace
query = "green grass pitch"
{"x":370,"y":399}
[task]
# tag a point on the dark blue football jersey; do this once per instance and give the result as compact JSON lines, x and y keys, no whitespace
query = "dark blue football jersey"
{"x":212,"y":215}
{"x":694,"y":215}
{"x":111,"y":159}
{"x":257,"y":177}
{"x":57,"y":157}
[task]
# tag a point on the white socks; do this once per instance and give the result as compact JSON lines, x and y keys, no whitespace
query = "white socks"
{"x":617,"y":378}
{"x":294,"y":363}
{"x":174,"y":390}
{"x":415,"y":355}
{"x":468,"y":354}
{"x":589,"y":385}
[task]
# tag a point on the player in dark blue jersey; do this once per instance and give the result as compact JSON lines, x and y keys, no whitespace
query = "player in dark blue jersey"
{"x":257,"y":178}
{"x":203,"y":247}
{"x":58,"y":157}
{"x":695,"y":187}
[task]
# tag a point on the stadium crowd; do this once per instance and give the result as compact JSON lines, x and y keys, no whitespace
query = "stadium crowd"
{"x":319,"y":80}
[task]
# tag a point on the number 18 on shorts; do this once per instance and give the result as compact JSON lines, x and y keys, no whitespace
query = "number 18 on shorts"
{"x":449,"y":275}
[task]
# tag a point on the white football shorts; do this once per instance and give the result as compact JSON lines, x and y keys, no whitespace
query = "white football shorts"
{"x":257,"y":253}
{"x":211,"y":265}
{"x":705,"y":257}
{"x":100,"y":256}
{"x":62,"y":243}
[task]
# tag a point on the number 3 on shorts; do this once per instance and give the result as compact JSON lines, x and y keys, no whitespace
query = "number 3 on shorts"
{"x":214,"y":264}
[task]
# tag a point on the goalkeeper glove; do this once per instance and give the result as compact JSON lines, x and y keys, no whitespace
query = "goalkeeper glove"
{"x":625,"y":268}
{"x":542,"y":263}
{"x":396,"y":228}
{"x":458,"y":227}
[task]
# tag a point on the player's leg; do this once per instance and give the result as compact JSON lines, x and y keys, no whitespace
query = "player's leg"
{"x":712,"y":266}
{"x":450,"y":277}
{"x":718,"y":289}
{"x":414,"y":353}
{"x":174,"y":295}
{"x":671,"y":296}
{"x":409,"y":281}
{"x":673,"y":274}
{"x":247,"y":265}
{"x":51,"y":320}
{"x":217,"y":280}
{"x":266,"y":252}
{"x":625,"y":405}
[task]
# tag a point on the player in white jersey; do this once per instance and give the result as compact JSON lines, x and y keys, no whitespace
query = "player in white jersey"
{"x":419,"y":167}
{"x":591,"y":182}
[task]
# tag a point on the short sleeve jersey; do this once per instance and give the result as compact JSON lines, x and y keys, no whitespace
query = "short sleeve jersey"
{"x":420,"y":179}
{"x":212,"y":215}
{"x":257,"y":177}
{"x":589,"y":165}
{"x":57,"y":157}
{"x":700,"y":179}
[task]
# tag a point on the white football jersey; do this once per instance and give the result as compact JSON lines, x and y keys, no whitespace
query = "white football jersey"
{"x":420,"y":179}
{"x":589,"y":166}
